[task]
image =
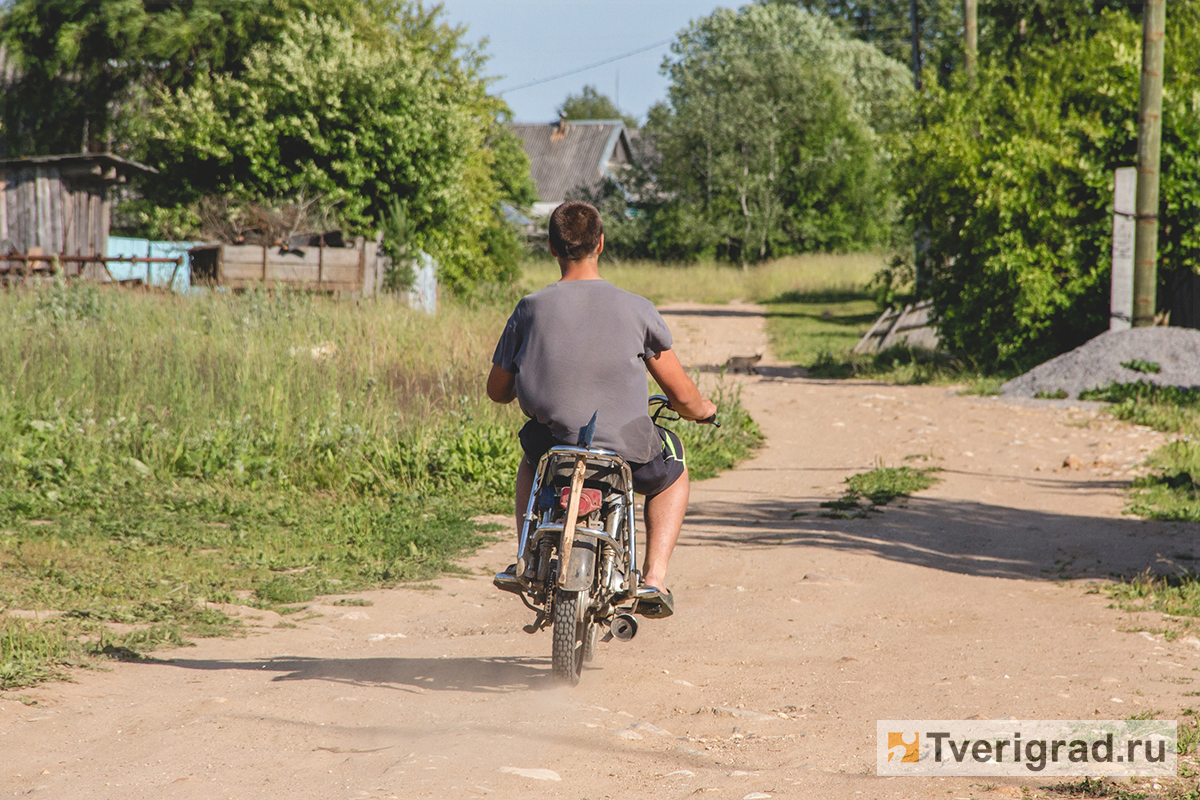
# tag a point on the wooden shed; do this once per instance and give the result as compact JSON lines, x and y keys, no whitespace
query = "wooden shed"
{"x":59,"y":204}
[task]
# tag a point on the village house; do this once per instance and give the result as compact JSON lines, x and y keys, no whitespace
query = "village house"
{"x":572,"y":154}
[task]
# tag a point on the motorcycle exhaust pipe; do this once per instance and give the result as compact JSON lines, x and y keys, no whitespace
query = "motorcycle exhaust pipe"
{"x":624,"y":627}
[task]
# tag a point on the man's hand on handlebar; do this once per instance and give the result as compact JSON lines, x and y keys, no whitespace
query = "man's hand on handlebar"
{"x":705,"y":413}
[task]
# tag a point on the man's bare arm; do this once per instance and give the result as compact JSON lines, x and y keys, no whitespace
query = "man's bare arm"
{"x":501,"y":385}
{"x":678,"y":387}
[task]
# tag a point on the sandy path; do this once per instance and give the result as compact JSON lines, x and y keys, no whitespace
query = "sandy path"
{"x":809,"y":628}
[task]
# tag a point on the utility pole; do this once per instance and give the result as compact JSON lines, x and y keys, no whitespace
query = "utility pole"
{"x":918,"y":240}
{"x":971,"y":34}
{"x":1145,"y":245}
{"x":916,"y":45}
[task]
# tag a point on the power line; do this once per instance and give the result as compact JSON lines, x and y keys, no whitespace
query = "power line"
{"x":585,"y":69}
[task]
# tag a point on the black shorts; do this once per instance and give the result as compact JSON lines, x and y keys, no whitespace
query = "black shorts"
{"x":650,"y":478}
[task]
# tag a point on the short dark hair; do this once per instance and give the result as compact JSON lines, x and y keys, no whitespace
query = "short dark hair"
{"x":575,"y":230}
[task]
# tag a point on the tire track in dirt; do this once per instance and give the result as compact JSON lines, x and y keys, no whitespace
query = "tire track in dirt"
{"x":793,"y":632}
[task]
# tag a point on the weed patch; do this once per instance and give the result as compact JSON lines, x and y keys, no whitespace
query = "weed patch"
{"x":877,"y":488}
{"x":1172,"y":490}
{"x":1142,"y":365}
{"x":1178,"y":596}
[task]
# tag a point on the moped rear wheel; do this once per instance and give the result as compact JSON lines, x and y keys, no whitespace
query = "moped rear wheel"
{"x":570,"y":628}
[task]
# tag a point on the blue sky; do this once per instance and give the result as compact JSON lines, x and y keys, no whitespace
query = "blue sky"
{"x":530,"y":40}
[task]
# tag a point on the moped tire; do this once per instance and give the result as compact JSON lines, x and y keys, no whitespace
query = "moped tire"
{"x":570,"y":627}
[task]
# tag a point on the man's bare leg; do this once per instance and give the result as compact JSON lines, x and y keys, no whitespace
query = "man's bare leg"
{"x":524,"y":487}
{"x":664,"y":519}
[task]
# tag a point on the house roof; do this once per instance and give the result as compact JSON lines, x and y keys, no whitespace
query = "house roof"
{"x":566,"y":155}
{"x":98,"y":163}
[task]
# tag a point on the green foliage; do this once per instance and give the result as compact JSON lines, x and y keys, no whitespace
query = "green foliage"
{"x":1142,"y":365}
{"x":710,"y":450}
{"x":878,"y":487}
{"x":591,"y":104}
{"x":80,"y":63}
{"x":361,"y":104}
{"x":1010,"y":180}
{"x":30,"y":654}
{"x":1177,"y":596}
{"x":770,"y":141}
{"x":814,"y":329}
{"x":887,"y":25}
{"x":160,"y":454}
{"x":1172,"y":489}
{"x":1057,"y":394}
{"x":1164,"y":408}
{"x":1006,"y":30}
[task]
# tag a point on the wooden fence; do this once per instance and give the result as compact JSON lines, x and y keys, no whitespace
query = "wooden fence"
{"x":356,"y":269}
{"x":911,"y":326}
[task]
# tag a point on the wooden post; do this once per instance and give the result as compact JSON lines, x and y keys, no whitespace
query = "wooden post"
{"x":1145,"y":246}
{"x":320,"y":261}
{"x":264,"y":269}
{"x":568,"y":534}
{"x":360,"y":242}
{"x":971,"y":35}
{"x":1124,"y":193}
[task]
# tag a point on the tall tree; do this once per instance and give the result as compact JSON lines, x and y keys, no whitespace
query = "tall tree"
{"x":770,"y":141}
{"x":1006,"y":27}
{"x":887,"y":25}
{"x":77,"y":60}
{"x":591,"y":104}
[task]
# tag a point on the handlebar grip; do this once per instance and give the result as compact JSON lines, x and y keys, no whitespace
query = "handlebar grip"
{"x":710,"y":421}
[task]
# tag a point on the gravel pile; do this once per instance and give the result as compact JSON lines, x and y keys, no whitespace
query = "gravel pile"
{"x":1098,"y":363}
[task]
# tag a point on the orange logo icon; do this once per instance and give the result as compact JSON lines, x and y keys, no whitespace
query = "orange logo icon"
{"x":904,"y":747}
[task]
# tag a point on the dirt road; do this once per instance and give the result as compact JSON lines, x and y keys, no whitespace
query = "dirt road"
{"x":800,"y":631}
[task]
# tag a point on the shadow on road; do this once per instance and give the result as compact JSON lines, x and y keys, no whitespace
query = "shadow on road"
{"x":417,"y":675}
{"x":711,"y":312}
{"x":962,"y":537}
{"x":766,"y":371}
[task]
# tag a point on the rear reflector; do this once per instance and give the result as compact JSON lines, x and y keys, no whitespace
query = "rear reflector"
{"x":589,"y":500}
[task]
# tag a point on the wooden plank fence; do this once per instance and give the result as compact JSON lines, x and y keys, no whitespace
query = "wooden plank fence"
{"x":911,"y":326}
{"x":356,"y":269}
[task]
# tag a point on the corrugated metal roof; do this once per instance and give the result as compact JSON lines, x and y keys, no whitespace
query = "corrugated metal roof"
{"x":566,"y":156}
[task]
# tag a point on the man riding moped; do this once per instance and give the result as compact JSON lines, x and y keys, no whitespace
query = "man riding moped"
{"x":579,"y":347}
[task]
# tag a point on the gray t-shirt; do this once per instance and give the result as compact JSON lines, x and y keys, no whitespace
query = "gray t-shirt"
{"x":579,"y":347}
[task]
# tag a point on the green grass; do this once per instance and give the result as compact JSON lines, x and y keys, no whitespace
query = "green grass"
{"x":1178,"y":596}
{"x":809,"y":328}
{"x":160,"y":456}
{"x":819,"y":329}
{"x":1172,"y":490}
{"x":710,"y":450}
{"x":709,"y":282}
{"x":877,"y":488}
{"x":1142,"y":365}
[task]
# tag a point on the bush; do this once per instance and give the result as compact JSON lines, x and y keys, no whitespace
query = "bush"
{"x":1010,"y":181}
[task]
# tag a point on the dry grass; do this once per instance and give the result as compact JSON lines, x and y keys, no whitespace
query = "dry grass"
{"x":721,"y":283}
